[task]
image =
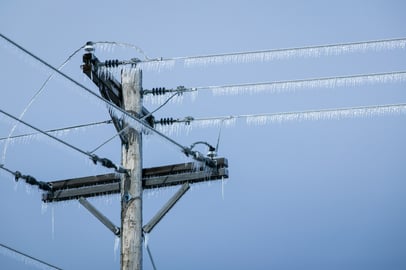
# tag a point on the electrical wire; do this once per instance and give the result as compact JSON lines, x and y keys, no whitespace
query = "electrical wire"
{"x":103,"y":161}
{"x":161,"y":106}
{"x":183,"y":149}
{"x":279,"y":117}
{"x":123,"y":44}
{"x":57,"y":130}
{"x":110,"y":139}
{"x":286,"y":53}
{"x":289,"y":86}
{"x":29,"y":257}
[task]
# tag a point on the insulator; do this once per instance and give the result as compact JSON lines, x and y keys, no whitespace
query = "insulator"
{"x":111,"y":63}
{"x":166,"y":121}
{"x":158,"y":91}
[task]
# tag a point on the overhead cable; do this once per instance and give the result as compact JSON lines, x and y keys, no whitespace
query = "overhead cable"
{"x":193,"y":154}
{"x":292,"y":85}
{"x":279,"y":117}
{"x":103,"y":161}
{"x":280,"y":54}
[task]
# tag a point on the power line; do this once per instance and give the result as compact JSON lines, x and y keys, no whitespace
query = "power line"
{"x":103,"y":161}
{"x":29,"y":257}
{"x":292,"y":85}
{"x":58,"y":130}
{"x":323,"y":114}
{"x":279,"y":54}
{"x":194,"y":154}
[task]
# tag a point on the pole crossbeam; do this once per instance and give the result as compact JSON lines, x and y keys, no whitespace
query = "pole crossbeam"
{"x":155,"y":177}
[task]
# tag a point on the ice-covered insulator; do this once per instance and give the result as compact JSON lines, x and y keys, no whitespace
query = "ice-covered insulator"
{"x":166,"y":121}
{"x":158,"y":91}
{"x":112,"y":63}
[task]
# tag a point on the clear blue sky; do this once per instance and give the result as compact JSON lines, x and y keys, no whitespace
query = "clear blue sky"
{"x":327,"y":194}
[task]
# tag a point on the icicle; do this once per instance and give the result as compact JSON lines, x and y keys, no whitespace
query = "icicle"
{"x":146,"y":239}
{"x":325,"y":115}
{"x":222,"y":187}
{"x":44,"y":208}
{"x":286,"y":54}
{"x":292,"y":86}
{"x":227,"y":122}
{"x":53,"y":223}
{"x":157,"y":65}
{"x":116,"y":246}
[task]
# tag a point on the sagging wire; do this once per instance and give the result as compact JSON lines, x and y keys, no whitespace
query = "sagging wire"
{"x":58,"y":130}
{"x":110,"y":139}
{"x":28,"y":179}
{"x":103,"y":161}
{"x":162,"y":105}
{"x":194,"y":154}
{"x":121,"y":44}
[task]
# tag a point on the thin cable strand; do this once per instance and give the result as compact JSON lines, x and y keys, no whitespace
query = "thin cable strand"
{"x":57,"y":130}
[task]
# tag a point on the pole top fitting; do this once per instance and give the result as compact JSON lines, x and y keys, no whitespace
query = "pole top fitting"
{"x":89,"y":47}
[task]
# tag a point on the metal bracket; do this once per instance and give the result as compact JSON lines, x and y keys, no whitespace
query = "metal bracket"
{"x":103,"y":219}
{"x":165,"y":209}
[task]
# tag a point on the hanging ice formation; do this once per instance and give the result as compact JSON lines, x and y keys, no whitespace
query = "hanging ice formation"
{"x":292,"y":86}
{"x":276,"y":54}
{"x":314,"y":115}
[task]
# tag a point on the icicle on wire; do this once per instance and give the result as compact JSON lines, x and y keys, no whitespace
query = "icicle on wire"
{"x":122,"y":44}
{"x":137,"y":123}
{"x":291,"y":86}
{"x":324,"y":114}
{"x":278,"y":54}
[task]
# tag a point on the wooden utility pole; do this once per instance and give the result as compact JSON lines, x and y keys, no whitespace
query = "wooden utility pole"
{"x":131,"y":184}
{"x":128,"y":96}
